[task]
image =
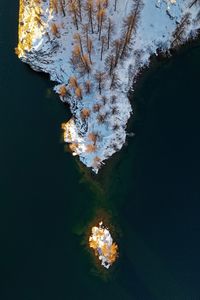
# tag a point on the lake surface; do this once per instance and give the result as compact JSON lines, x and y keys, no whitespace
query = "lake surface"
{"x":149,"y":192}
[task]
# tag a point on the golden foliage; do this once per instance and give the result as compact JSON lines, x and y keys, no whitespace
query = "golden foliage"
{"x":93,"y":137}
{"x":54,"y":5}
{"x":85,"y":113}
{"x":63,"y":90}
{"x":78,"y":93}
{"x":90,"y":148}
{"x":28,"y":24}
{"x":76,"y":51}
{"x":73,"y":147}
{"x":54,"y":29}
{"x":73,"y":82}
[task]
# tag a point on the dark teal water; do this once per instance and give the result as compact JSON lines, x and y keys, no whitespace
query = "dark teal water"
{"x":150,"y":191}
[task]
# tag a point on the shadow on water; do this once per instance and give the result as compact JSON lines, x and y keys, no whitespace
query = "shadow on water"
{"x":150,"y":188}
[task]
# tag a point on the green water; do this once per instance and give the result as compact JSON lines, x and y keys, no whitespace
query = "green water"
{"x":149,"y":191}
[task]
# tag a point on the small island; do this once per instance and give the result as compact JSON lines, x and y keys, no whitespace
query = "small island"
{"x":102,"y":243}
{"x":94,"y":51}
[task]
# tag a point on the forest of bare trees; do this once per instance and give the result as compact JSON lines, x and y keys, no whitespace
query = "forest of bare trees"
{"x":92,"y":22}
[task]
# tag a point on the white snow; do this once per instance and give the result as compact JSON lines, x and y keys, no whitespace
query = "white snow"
{"x":52,"y":54}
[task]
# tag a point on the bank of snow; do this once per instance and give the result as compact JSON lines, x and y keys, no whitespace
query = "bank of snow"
{"x":97,"y":128}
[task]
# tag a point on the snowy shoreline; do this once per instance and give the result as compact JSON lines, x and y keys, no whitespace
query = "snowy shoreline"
{"x":95,"y":87}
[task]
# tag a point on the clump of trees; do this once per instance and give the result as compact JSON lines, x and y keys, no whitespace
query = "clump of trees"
{"x":90,"y":9}
{"x":89,"y":18}
{"x":80,"y":59}
{"x":75,"y":87}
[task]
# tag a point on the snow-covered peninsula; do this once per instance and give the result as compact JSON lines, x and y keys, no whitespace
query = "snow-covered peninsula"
{"x":93,"y":50}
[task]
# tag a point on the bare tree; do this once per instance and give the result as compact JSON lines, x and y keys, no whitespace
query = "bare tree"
{"x":74,"y":10}
{"x":115,"y":127}
{"x":89,"y":7}
{"x":96,"y":107}
{"x":88,"y":87}
{"x":100,"y":78}
{"x":104,"y":100}
{"x":113,"y":99}
{"x":62,"y":7}
{"x":103,"y":41}
{"x":109,"y":31}
{"x":133,"y":17}
{"x":77,"y":38}
{"x":98,"y":4}
{"x":117,"y":48}
{"x":194,"y":2}
{"x":90,"y":48}
{"x":130,"y":25}
{"x":100,"y":19}
{"x":114,"y":110}
{"x":180,"y":30}
{"x":101,"y":118}
{"x":80,"y":10}
{"x":86,"y":33}
{"x":115,"y":82}
{"x":115,"y":5}
{"x":110,"y":63}
{"x":86,"y":62}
